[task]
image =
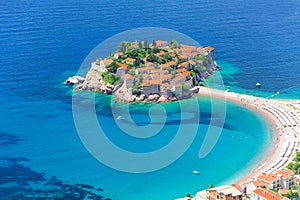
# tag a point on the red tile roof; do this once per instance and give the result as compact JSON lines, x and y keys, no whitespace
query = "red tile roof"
{"x":209,"y":48}
{"x":268,"y":194}
{"x":200,"y":50}
{"x":107,"y":62}
{"x":160,"y":71}
{"x":269,"y":178}
{"x":145,"y":69}
{"x":165,"y":77}
{"x":147,"y":63}
{"x":178,"y":78}
{"x":185,"y":74}
{"x":184,"y":64}
{"x":181,"y":70}
{"x":128,"y":76}
{"x":161,"y":53}
{"x":172,"y":55}
{"x":160,"y":43}
{"x":258,"y":183}
{"x":168,"y":64}
{"x":124,"y":66}
{"x":188,"y":48}
{"x":131,"y":60}
{"x":151,"y":82}
{"x":191,"y":62}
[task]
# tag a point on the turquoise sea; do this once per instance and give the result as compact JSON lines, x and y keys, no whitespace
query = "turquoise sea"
{"x":44,"y":42}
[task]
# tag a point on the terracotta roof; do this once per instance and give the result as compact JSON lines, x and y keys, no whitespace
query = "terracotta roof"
{"x":285,"y":173}
{"x":267,"y":194}
{"x":185,"y":64}
{"x":161,"y":71}
{"x":172,"y":55}
{"x":199,"y":61}
{"x":128,"y":76}
{"x":107,"y":62}
{"x":148,"y":63}
{"x":200,"y":50}
{"x":181,"y":70}
{"x":178,"y":78}
{"x":257,"y":183}
{"x":168,"y":64}
{"x":155,"y":75}
{"x":151,"y":82}
{"x":191,"y":62}
{"x":188,"y":48}
{"x":166,"y":84}
{"x":124,"y":66}
{"x":130,"y":60}
{"x":165,"y":77}
{"x":160,"y":43}
{"x":283,"y":191}
{"x":193,"y":54}
{"x":161,"y":53}
{"x":185,"y":74}
{"x":145,"y":69}
{"x":146,"y":84}
{"x":269,"y":178}
{"x":209,"y":48}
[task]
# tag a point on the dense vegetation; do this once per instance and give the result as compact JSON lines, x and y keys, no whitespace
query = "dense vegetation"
{"x":109,"y":78}
{"x":295,"y":165}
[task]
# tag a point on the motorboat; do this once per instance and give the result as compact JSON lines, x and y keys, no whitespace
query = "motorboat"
{"x":196,"y":172}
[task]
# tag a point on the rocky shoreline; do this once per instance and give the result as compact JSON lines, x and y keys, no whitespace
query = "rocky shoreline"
{"x":160,"y":72}
{"x":120,"y":95}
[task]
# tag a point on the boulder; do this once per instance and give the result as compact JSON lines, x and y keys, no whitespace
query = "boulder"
{"x":141,"y":97}
{"x":153,"y":97}
{"x":74,"y":80}
{"x":133,"y":98}
{"x":162,"y":99}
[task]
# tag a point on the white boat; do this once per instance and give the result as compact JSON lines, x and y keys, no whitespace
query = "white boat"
{"x":119,"y":117}
{"x":196,"y":172}
{"x":258,"y":85}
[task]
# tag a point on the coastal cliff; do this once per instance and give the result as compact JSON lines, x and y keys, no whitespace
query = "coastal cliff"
{"x":159,"y":72}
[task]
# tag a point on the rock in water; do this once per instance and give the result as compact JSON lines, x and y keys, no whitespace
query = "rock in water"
{"x":74,"y":80}
{"x":162,"y":99}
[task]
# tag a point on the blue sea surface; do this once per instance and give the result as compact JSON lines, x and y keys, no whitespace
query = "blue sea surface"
{"x":44,"y":42}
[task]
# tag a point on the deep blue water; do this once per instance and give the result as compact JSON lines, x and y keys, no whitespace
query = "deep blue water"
{"x":44,"y":42}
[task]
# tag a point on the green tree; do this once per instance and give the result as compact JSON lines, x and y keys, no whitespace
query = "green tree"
{"x":211,"y":186}
{"x":188,"y":195}
{"x":155,"y":50}
{"x":123,"y":46}
{"x":181,"y":61}
{"x":174,"y":44}
{"x":193,"y":73}
{"x":146,"y":45}
{"x":109,"y":78}
{"x":292,"y":195}
{"x":140,"y":45}
{"x":154,"y":43}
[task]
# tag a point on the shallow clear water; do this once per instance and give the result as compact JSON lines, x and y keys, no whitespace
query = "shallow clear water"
{"x":42,"y":43}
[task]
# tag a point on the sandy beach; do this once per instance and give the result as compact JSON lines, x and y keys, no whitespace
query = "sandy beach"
{"x":282,"y":116}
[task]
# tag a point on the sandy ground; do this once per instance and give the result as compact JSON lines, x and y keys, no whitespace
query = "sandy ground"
{"x":255,"y":104}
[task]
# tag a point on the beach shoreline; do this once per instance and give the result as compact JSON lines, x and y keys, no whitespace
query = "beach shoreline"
{"x":258,"y":105}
